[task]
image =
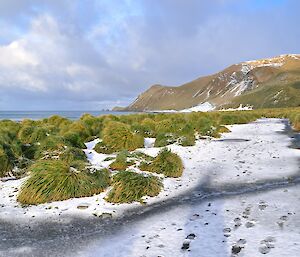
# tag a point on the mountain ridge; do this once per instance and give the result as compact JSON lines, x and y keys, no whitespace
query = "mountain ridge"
{"x":263,"y":83}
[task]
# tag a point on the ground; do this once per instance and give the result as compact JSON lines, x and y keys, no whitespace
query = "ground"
{"x":239,"y":195}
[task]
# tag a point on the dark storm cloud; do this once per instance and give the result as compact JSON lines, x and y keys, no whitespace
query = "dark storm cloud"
{"x":96,"y":54}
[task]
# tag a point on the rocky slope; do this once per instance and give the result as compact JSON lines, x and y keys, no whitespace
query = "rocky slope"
{"x":273,"y":82}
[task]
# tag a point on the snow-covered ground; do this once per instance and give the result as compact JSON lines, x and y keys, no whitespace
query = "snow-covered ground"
{"x":230,"y":159}
{"x":254,"y":225}
{"x":237,"y":210}
{"x":203,"y":107}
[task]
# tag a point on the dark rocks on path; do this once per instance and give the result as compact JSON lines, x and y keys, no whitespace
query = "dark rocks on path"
{"x":236,"y":249}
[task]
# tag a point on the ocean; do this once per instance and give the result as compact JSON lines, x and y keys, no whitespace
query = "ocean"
{"x":36,"y":115}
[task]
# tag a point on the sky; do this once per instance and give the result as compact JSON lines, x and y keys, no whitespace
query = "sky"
{"x":96,"y":54}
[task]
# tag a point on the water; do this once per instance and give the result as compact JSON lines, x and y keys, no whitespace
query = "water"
{"x":35,"y":115}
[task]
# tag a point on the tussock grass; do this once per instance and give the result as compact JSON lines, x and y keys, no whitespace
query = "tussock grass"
{"x":56,"y":180}
{"x":22,"y":143}
{"x":5,"y":164}
{"x":164,"y":139}
{"x":71,"y":154}
{"x":187,"y":140}
{"x":166,"y":162}
{"x":121,"y":162}
{"x":118,"y":136}
{"x":130,"y":187}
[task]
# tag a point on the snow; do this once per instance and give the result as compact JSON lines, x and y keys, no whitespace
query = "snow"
{"x":222,"y":160}
{"x":164,"y":233}
{"x":203,"y":107}
{"x":245,"y":158}
{"x":149,"y":142}
{"x":271,"y":62}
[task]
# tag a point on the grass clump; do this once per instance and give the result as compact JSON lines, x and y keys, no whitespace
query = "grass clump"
{"x":129,"y":187}
{"x":118,"y":136}
{"x":164,"y":139}
{"x":121,"y":162}
{"x":5,"y":165}
{"x":166,"y":162}
{"x":55,"y":180}
{"x":71,"y":154}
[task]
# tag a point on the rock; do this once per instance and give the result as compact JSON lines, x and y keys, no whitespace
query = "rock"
{"x":83,"y":206}
{"x":191,"y":236}
{"x":185,"y":245}
{"x":264,"y":249}
{"x":236,"y":249}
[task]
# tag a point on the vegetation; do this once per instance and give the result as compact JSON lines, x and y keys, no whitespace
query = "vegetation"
{"x":121,"y":162}
{"x":118,"y":136}
{"x":54,"y":180}
{"x":166,"y":162}
{"x":130,"y":187}
{"x":50,"y":150}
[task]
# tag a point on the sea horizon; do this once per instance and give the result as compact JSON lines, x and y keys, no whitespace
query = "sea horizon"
{"x":41,"y":114}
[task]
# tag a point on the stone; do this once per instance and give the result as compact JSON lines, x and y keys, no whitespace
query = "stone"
{"x":236,"y":249}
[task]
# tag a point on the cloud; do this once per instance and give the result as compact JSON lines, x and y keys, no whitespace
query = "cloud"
{"x":96,"y":54}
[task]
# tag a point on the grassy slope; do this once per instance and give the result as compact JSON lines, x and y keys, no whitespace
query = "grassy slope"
{"x":271,"y":96}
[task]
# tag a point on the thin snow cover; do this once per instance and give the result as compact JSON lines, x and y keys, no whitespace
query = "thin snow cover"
{"x":227,"y":160}
{"x":277,"y":61}
{"x":149,"y":142}
{"x":256,"y":224}
{"x":240,"y":108}
{"x":96,"y":159}
{"x":203,"y":107}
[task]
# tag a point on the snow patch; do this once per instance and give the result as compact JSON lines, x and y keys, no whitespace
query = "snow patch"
{"x":203,"y":107}
{"x":149,"y":142}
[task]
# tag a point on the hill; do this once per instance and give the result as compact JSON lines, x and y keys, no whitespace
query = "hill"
{"x":264,"y":83}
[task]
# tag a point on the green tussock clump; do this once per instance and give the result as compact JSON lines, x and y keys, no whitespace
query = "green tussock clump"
{"x":121,"y":162}
{"x":187,"y":140}
{"x":5,"y":165}
{"x":164,"y":139}
{"x":71,"y":154}
{"x":166,"y":162}
{"x":130,"y":187}
{"x":55,"y":181}
{"x":118,"y":136}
